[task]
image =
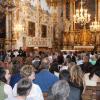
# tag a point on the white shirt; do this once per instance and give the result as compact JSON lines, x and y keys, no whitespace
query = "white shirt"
{"x":16,"y":53}
{"x":35,"y":92}
{"x":64,"y":68}
{"x":91,"y":82}
{"x":79,"y":62}
{"x":50,"y":59}
{"x":8,"y":90}
{"x":14,"y":98}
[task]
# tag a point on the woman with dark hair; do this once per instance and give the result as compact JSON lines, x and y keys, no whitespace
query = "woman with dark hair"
{"x":92,"y":78}
{"x":23,"y":89}
{"x":96,"y":69}
{"x":5,"y":89}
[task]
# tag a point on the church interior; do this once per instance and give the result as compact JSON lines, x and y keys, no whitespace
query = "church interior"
{"x":52,"y":24}
{"x":49,"y":49}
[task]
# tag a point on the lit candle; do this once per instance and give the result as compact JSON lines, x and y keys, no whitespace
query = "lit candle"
{"x":75,"y":18}
{"x":88,"y":17}
{"x":85,"y":12}
{"x":77,"y":12}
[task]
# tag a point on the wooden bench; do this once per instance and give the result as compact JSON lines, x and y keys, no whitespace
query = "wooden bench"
{"x":92,"y":93}
{"x":45,"y":95}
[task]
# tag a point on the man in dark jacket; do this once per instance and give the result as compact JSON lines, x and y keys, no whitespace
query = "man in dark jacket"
{"x":86,"y":66}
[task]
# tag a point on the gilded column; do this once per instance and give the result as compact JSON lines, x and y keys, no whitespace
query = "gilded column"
{"x":72,"y":13}
{"x":7,"y":30}
{"x":38,"y":16}
{"x":64,"y":9}
{"x":98,"y":10}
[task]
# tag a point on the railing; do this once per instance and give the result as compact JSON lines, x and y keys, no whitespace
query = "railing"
{"x":38,"y":42}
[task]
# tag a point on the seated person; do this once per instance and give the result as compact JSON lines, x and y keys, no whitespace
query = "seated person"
{"x":15,"y":77}
{"x":59,"y":91}
{"x":24,"y":87}
{"x":28,"y":72}
{"x":86,"y":66}
{"x":5,"y":89}
{"x":76,"y":82}
{"x":93,"y":77}
{"x":44,"y":78}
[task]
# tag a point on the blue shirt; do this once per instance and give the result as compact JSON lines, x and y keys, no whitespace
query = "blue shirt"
{"x":45,"y":80}
{"x":14,"y":79}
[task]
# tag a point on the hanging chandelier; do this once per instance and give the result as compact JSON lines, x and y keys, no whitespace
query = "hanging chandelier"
{"x":81,"y":16}
{"x":95,"y":26}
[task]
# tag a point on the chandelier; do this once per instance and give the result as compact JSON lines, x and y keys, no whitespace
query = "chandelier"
{"x":95,"y":26}
{"x":81,"y":16}
{"x":18,"y":27}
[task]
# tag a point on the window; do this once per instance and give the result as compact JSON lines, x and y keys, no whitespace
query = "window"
{"x":2,"y":26}
{"x":31,"y":29}
{"x":68,"y":10}
{"x":44,"y":31}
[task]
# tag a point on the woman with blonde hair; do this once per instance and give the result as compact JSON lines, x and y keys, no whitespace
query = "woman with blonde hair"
{"x":27,"y":71}
{"x":76,"y":75}
{"x":76,"y":82}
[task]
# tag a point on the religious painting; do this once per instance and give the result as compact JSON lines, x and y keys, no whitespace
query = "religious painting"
{"x":31,"y":29}
{"x":44,"y":31}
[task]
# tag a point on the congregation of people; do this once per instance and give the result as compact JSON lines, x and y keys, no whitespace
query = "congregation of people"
{"x":49,"y":75}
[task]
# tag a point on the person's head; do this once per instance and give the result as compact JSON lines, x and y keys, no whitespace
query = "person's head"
{"x":37,"y":57}
{"x":54,"y":67}
{"x":16,"y":68}
{"x":44,"y":63}
{"x":64,"y":75}
{"x":76,"y":75}
{"x":60,"y":91}
{"x":85,"y":58}
{"x":68,"y":57}
{"x":4,"y":75}
{"x":28,"y":60}
{"x":36,"y":64}
{"x":27,"y":71}
{"x":79,"y":57}
{"x":70,"y":65}
{"x":23,"y":87}
{"x":94,"y":57}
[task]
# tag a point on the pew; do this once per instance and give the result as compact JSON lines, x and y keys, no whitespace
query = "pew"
{"x":92,"y":93}
{"x":45,"y":95}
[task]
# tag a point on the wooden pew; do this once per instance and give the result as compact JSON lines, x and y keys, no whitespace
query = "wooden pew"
{"x":45,"y":95}
{"x":92,"y":93}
